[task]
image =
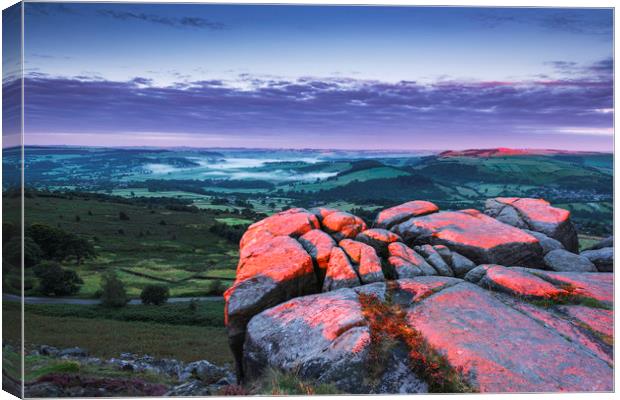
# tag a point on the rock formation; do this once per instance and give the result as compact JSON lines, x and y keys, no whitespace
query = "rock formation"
{"x":425,"y":300}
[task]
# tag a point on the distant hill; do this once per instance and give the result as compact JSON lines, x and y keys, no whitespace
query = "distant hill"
{"x":505,"y":152}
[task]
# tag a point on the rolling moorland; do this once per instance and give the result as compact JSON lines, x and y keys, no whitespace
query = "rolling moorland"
{"x":174,"y":218}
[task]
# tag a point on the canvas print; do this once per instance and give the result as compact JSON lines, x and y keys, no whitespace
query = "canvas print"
{"x":228,"y":199}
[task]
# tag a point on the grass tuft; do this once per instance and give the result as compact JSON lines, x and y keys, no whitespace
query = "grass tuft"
{"x":278,"y":383}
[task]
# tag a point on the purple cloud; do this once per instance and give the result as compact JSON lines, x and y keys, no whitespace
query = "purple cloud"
{"x":337,"y":106}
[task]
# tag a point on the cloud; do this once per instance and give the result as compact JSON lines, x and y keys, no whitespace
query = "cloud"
{"x":560,"y":21}
{"x":49,"y":9}
{"x":191,"y":22}
{"x":321,"y":107}
{"x":602,"y":70}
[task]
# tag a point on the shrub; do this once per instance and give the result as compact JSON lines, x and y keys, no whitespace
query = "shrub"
{"x":113,"y":292}
{"x":154,"y":294}
{"x":57,"y":281}
{"x":123,"y":216}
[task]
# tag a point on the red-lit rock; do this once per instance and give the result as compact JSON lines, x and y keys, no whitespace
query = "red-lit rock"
{"x":342,"y":225}
{"x":596,"y":319}
{"x":323,"y":338}
{"x":482,"y":239}
{"x":502,"y":350}
{"x":597,"y":286}
{"x":319,"y":245}
{"x":294,"y":222}
{"x":322,"y":212}
{"x":340,"y":272}
{"x":537,"y":215}
{"x":518,"y":283}
{"x":402,"y":258}
{"x":576,"y":334}
{"x":395,"y":215}
{"x":435,"y":259}
{"x":404,"y":269}
{"x":276,"y":271}
{"x":270,"y":272}
{"x":379,"y":239}
{"x":367,"y":263}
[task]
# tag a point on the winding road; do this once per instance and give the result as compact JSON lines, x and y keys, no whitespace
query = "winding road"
{"x":67,"y":300}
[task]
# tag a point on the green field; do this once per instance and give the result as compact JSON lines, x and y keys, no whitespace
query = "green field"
{"x":156,"y":245}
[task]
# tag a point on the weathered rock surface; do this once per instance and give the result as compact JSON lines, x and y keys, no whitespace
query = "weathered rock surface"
{"x":501,"y":348}
{"x":461,"y":265}
{"x":433,"y":257}
{"x":562,"y":260}
{"x":478,"y":237}
{"x":319,"y":245}
{"x":366,"y":262}
{"x":602,"y":258}
{"x":517,"y":282}
{"x":505,"y":328}
{"x":342,"y":225}
{"x":395,"y":215}
{"x":607,"y":242}
{"x":597,"y":286}
{"x":323,"y":337}
{"x":545,"y":241}
{"x":407,"y":262}
{"x":340,"y":272}
{"x":379,"y":239}
{"x":596,"y":319}
{"x":294,"y":222}
{"x":537,"y":215}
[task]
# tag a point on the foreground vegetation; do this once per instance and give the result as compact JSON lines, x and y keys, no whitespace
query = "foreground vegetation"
{"x":158,"y":331}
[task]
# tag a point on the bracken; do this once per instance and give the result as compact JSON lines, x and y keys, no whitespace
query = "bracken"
{"x":387,"y":324}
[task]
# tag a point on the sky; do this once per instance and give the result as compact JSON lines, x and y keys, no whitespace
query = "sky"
{"x":318,"y":76}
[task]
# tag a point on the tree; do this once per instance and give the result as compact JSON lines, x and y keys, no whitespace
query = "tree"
{"x":13,"y":252}
{"x":154,"y":294}
{"x":51,"y":240}
{"x":79,"y":248}
{"x":57,"y":281}
{"x":123,"y":216}
{"x":57,"y":244}
{"x":113,"y":292}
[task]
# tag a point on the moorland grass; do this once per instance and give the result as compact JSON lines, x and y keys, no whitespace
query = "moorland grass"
{"x":206,"y":313}
{"x":108,"y":337}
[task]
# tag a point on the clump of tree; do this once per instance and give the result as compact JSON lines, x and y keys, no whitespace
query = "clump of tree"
{"x":55,"y":280}
{"x":113,"y":292}
{"x":154,"y":294}
{"x":232,"y":233}
{"x":59,"y":245}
